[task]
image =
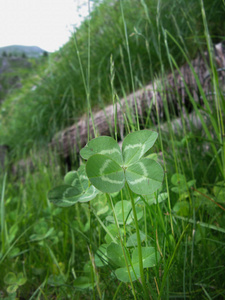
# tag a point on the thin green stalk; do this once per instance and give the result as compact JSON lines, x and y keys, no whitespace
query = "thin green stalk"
{"x":88,"y":74}
{"x":202,"y":224}
{"x":90,"y":249}
{"x":139,"y":243}
{"x":124,"y":69}
{"x":117,"y":290}
{"x":121,"y":242}
{"x":206,"y":293}
{"x":182,"y":115}
{"x":72,"y":256}
{"x":130,"y":65}
{"x":170,"y":262}
{"x":215,"y":85}
{"x":3,"y":228}
{"x":94,"y":274}
{"x":86,"y":83}
{"x":112,"y":75}
{"x":14,"y":243}
{"x":103,"y":226}
{"x":124,"y":220}
{"x":165,"y":171}
{"x":184,"y":271}
{"x":194,"y":103}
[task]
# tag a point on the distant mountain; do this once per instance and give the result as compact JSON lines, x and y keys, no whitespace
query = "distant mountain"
{"x":18,"y":50}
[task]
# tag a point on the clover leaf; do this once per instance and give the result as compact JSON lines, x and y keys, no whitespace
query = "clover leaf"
{"x":108,"y":167}
{"x":76,"y":189}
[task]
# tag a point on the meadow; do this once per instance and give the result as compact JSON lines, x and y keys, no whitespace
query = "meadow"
{"x":137,"y":222}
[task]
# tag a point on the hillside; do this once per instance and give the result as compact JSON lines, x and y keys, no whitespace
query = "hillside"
{"x":18,"y":50}
{"x":18,"y":63}
{"x":80,"y":71}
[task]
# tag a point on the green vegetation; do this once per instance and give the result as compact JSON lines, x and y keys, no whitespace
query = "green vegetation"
{"x":60,"y":97}
{"x":109,"y":169}
{"x":101,"y":234}
{"x":15,"y":70}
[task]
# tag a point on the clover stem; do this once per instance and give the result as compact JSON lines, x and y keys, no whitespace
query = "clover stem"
{"x":139,"y":243}
{"x":121,"y":242}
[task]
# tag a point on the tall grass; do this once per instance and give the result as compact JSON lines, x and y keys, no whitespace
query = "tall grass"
{"x":59,"y":99}
{"x":54,"y":248}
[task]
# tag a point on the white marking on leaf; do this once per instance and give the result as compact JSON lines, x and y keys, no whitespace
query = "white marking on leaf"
{"x":67,"y":201}
{"x":74,"y":181}
{"x":105,"y":165}
{"x":133,"y":182}
{"x":142,"y":151}
{"x":87,"y":196}
{"x":110,"y":151}
{"x":132,"y":146}
{"x":143,"y":168}
{"x":111,"y":180}
{"x":67,"y":191}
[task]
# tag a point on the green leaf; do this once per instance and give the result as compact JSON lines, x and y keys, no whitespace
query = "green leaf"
{"x":89,"y":194}
{"x":12,"y":288}
{"x":101,"y":258}
{"x":104,"y":145}
{"x":178,"y":179}
{"x":56,"y":280}
{"x":122,"y":273}
{"x":132,"y":240}
{"x":75,"y":190}
{"x":40,"y":237}
{"x":160,"y":198}
{"x":88,"y":268}
{"x":21,"y":280}
{"x":149,"y":257}
{"x":103,"y":210}
{"x":136,"y":144}
{"x":105,"y":174}
{"x":181,"y":185}
{"x":115,"y":254}
{"x":112,"y":232}
{"x":123,"y":211}
{"x":191,"y":183}
{"x":100,"y":204}
{"x":10,"y":278}
{"x":145,"y":176}
{"x":64,"y":195}
{"x":219,"y":191}
{"x":77,"y":178}
{"x":182,"y":208}
{"x":14,"y":252}
{"x":82,"y":282}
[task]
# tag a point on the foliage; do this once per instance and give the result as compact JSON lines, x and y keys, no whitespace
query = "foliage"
{"x":108,"y":168}
{"x":60,"y":96}
{"x":14,"y":70}
{"x":97,"y":244}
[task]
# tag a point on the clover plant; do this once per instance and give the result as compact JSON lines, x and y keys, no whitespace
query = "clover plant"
{"x":76,"y":189}
{"x":14,"y":281}
{"x":108,"y":170}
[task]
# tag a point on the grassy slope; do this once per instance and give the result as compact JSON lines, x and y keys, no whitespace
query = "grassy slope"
{"x":15,"y":70}
{"x":60,"y":97}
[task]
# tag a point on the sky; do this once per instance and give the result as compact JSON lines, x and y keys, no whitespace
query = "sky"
{"x":44,"y":23}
